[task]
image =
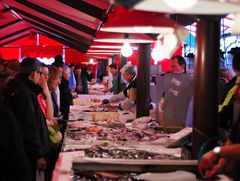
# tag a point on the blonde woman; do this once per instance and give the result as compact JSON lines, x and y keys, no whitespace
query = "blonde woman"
{"x":46,"y":104}
{"x":55,"y":136}
{"x":54,"y":80}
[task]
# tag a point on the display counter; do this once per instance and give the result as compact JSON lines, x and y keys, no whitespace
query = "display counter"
{"x":99,"y":140}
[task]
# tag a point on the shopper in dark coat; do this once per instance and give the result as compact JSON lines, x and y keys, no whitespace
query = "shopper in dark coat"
{"x":81,"y":80}
{"x":14,"y":164}
{"x":21,"y":97}
{"x":215,"y":161}
{"x":89,"y":73}
{"x":65,"y":93}
{"x":225,"y":106}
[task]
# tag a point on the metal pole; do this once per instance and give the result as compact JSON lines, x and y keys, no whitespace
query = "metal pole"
{"x":205,"y":82}
{"x":143,"y":80}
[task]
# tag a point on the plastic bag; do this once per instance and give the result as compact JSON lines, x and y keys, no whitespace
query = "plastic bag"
{"x":54,"y":135}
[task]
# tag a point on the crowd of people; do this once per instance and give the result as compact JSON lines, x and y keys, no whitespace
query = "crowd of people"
{"x":35,"y":101}
{"x":38,"y":98}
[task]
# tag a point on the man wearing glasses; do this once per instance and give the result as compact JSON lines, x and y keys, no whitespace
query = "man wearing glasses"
{"x":21,"y":97}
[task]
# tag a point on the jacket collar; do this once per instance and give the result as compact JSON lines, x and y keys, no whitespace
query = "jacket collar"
{"x":34,"y":87}
{"x":64,"y":81}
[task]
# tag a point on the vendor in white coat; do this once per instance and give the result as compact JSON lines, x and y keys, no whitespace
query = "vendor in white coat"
{"x":126,"y":98}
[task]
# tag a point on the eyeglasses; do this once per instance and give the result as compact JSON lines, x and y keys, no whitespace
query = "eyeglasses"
{"x":45,"y":74}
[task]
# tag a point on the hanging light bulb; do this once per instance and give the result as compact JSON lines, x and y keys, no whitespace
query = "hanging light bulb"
{"x":91,"y":61}
{"x":126,"y":50}
{"x":180,"y":5}
{"x":157,"y":52}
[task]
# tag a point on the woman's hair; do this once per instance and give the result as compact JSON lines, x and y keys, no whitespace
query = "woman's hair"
{"x":54,"y":73}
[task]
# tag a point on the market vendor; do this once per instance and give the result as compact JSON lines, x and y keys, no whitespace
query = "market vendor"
{"x":126,"y":98}
{"x":115,"y":89}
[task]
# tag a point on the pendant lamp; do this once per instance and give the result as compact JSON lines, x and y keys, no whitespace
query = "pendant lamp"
{"x":126,"y":50}
{"x":91,"y":61}
{"x":197,"y":7}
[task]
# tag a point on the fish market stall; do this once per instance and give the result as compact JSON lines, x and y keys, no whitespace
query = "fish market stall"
{"x":98,"y":134}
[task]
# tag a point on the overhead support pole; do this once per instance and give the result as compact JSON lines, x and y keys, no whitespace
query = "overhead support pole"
{"x":205,"y":104}
{"x":143,"y":80}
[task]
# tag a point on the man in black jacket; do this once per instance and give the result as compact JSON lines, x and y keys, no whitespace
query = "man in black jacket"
{"x":225,"y":106}
{"x":14,"y":164}
{"x":65,"y":93}
{"x":21,"y":97}
{"x":81,"y":80}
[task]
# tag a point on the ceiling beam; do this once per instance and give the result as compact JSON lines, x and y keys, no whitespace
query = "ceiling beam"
{"x":5,"y":10}
{"x":58,"y":17}
{"x":80,"y":44}
{"x":61,"y":40}
{"x":15,"y":39}
{"x":86,"y":8}
{"x":15,"y":33}
{"x":56,"y":27}
{"x":10,"y":23}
